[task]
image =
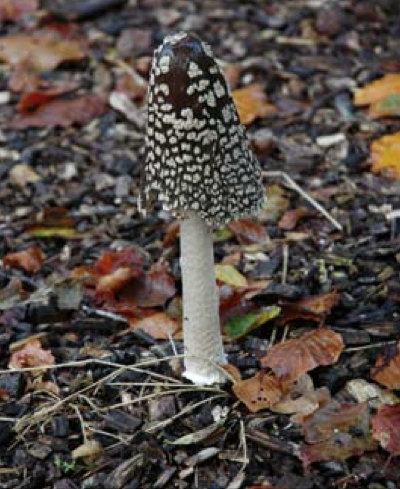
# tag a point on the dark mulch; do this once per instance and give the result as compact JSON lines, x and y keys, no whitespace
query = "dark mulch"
{"x":93,"y":173}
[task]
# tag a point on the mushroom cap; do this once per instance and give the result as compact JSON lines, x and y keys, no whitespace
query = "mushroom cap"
{"x":198,"y":156}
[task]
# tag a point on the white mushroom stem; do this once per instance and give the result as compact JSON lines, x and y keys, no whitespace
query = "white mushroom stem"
{"x":203,"y":345}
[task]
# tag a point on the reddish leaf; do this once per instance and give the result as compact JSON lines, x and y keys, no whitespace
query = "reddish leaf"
{"x":4,"y":395}
{"x":30,"y":260}
{"x":110,"y":261}
{"x":259,"y":392}
{"x":108,"y":285}
{"x":160,"y":326}
{"x":171,"y":234}
{"x":13,"y":10}
{"x":247,"y":231}
{"x":386,"y":428}
{"x":314,"y":307}
{"x":33,"y":100}
{"x":31,"y":354}
{"x":152,"y":289}
{"x":335,"y":417}
{"x":340,"y":447}
{"x":387,"y":368}
{"x":292,"y":358}
{"x":290,"y":219}
{"x":24,"y":78}
{"x":63,"y":113}
{"x":42,"y":51}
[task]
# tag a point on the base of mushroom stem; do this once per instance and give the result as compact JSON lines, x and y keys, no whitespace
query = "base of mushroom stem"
{"x":204,"y":374}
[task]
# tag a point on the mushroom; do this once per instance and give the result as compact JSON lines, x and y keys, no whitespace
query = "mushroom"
{"x":200,"y":166}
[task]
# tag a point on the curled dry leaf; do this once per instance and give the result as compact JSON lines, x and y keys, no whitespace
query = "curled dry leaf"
{"x":160,"y":326}
{"x":387,"y":368}
{"x":292,"y":358}
{"x":336,"y":417}
{"x":55,"y":221}
{"x":259,"y":392}
{"x":63,"y":113}
{"x":90,"y":450}
{"x":251,"y":103}
{"x":13,"y":10}
{"x":23,"y":174}
{"x":41,"y":51}
{"x":314,"y":307}
{"x":386,"y":428}
{"x":31,"y":354}
{"x":29,"y":260}
{"x":385,"y":155}
{"x":247,"y":231}
{"x":302,"y":399}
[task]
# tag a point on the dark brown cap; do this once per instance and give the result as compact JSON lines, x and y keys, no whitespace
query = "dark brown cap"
{"x":198,"y":156}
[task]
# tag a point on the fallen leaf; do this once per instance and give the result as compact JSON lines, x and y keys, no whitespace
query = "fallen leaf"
{"x":109,"y":284}
{"x":302,"y":400}
{"x":23,"y":174}
{"x":336,"y":417}
{"x":228,"y":274}
{"x":314,"y":307}
{"x":385,"y":155}
{"x":251,"y":103}
{"x":54,"y":222}
{"x":30,"y":260}
{"x":291,"y":218}
{"x":247,"y":231}
{"x":238,"y":327}
{"x":160,"y":326}
{"x":340,"y":447}
{"x":378,"y":90}
{"x":171,"y":234}
{"x":154,"y":288}
{"x":259,"y":392}
{"x":294,"y":357}
{"x":24,"y":78}
{"x":43,"y":52}
{"x":33,"y":99}
{"x":31,"y":354}
{"x":387,"y":368}
{"x":13,"y":10}
{"x":63,"y":113}
{"x":386,"y":428}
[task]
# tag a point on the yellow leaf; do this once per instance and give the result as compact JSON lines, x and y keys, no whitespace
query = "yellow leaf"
{"x":385,"y":155}
{"x":378,"y":90}
{"x":229,"y":275}
{"x":251,"y":102}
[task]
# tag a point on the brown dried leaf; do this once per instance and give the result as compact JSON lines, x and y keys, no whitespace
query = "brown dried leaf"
{"x":160,"y":326}
{"x":30,"y":260}
{"x":387,"y":368}
{"x":378,"y":90}
{"x":247,"y":231}
{"x":23,"y":174}
{"x":41,"y":51}
{"x":63,"y":113}
{"x":315,"y":307}
{"x":259,"y":392}
{"x":385,"y":155}
{"x":386,"y":428}
{"x":31,"y":354}
{"x":302,"y":399}
{"x":251,"y":103}
{"x":33,"y":99}
{"x":292,"y":358}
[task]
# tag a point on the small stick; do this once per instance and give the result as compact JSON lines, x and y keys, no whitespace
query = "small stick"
{"x":285,"y":256}
{"x":299,"y":190}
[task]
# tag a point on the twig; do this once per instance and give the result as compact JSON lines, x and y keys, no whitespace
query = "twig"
{"x":285,"y":260}
{"x":299,"y":190}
